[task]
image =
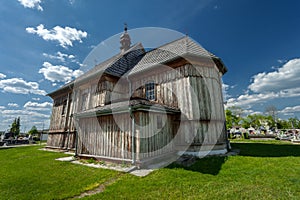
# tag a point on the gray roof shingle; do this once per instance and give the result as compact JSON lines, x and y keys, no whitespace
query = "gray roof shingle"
{"x":170,"y":51}
{"x":136,"y":60}
{"x":118,"y":64}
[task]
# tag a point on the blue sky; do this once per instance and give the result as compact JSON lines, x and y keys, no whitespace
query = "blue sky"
{"x":44,"y":43}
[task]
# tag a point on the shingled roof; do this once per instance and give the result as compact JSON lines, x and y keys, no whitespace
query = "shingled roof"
{"x":170,"y":51}
{"x":136,"y":60}
{"x":122,"y":107}
{"x":118,"y":64}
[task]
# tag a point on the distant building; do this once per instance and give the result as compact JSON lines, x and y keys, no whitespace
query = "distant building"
{"x":43,"y":134}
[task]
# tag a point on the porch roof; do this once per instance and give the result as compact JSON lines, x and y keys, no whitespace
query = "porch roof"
{"x":125,"y":106}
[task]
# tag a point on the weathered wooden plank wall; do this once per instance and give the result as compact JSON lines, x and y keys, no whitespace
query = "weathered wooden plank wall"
{"x":102,"y":136}
{"x":61,"y":140}
{"x":110,"y":136}
{"x":99,"y":92}
{"x":197,"y":91}
{"x":61,"y":130}
{"x":61,"y":116}
{"x":156,"y":133}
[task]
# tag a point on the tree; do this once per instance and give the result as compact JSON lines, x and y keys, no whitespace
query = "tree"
{"x":256,"y":120}
{"x":232,"y":119}
{"x":281,"y":124}
{"x":270,"y":121}
{"x":229,"y":121}
{"x":33,"y":131}
{"x":246,"y":122}
{"x":293,"y":122}
{"x":15,"y":126}
{"x":18,"y":126}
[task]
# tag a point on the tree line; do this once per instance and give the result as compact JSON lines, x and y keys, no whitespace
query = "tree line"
{"x":15,"y":128}
{"x":235,"y":117}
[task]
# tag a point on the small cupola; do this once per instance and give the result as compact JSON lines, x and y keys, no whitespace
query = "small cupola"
{"x":125,"y":40}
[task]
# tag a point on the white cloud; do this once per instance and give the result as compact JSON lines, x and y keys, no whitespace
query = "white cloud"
{"x":225,"y":89}
{"x":36,"y":99}
{"x":13,"y":105}
{"x":283,"y":83}
{"x":2,"y":76}
{"x":32,"y":113}
{"x":247,"y":100}
{"x":284,"y":78}
{"x":77,"y":73}
{"x":23,"y":114}
{"x":65,"y":36}
{"x":290,"y":110}
{"x":37,"y":106}
{"x":58,"y":73}
{"x":281,"y":61}
{"x":60,"y":56}
{"x":20,"y":86}
{"x":32,"y":4}
{"x":251,"y":112}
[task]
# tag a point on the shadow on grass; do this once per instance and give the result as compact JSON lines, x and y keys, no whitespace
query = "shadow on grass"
{"x":208,"y":165}
{"x":213,"y":164}
{"x":267,"y":150}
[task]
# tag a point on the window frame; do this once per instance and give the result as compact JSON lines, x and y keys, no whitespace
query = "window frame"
{"x":150,"y":91}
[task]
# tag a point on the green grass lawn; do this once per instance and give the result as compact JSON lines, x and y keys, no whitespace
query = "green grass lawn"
{"x":262,"y":170}
{"x":29,"y":173}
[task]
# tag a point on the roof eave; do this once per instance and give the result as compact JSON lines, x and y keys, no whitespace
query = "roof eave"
{"x":66,"y":87}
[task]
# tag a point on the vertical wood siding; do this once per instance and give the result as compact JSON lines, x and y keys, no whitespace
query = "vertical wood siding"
{"x":61,"y":140}
{"x":62,"y":128}
{"x":102,"y":136}
{"x":110,"y":136}
{"x":196,"y":90}
{"x":154,"y":140}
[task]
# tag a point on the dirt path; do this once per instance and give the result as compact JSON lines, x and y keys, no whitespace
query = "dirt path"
{"x":100,"y":188}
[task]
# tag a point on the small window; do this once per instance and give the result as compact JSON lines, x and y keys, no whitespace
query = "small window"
{"x":150,"y":91}
{"x":101,"y":86}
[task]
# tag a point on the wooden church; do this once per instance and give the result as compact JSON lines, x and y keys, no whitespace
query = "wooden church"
{"x":140,"y":105}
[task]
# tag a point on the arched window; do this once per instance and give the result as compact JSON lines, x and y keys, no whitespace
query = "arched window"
{"x":150,"y":91}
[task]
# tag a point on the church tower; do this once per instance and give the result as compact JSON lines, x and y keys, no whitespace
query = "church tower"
{"x":125,"y":40}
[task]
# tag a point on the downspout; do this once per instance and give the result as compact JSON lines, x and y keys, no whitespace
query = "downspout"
{"x":76,"y":142}
{"x":132,"y":123}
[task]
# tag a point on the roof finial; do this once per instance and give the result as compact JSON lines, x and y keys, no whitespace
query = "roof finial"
{"x":125,"y":40}
{"x":125,"y":27}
